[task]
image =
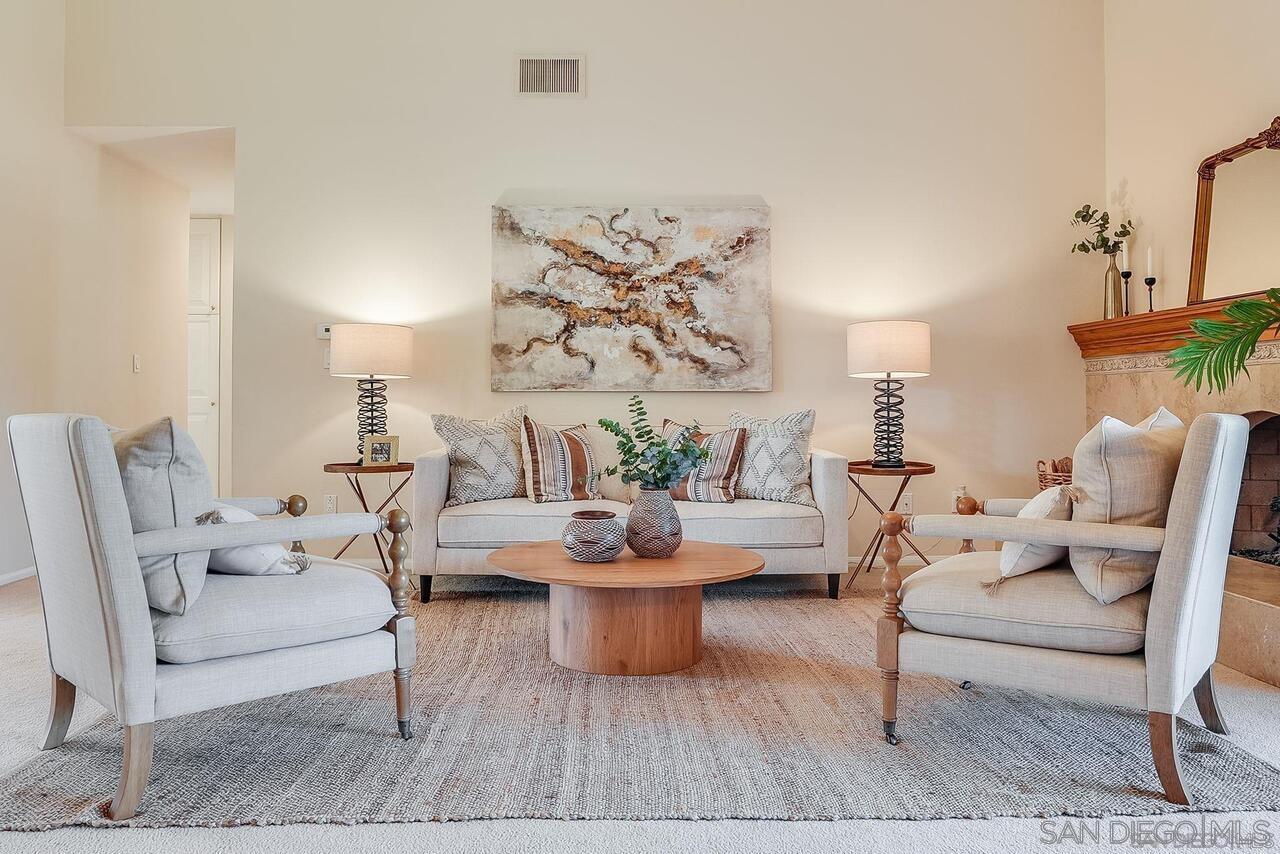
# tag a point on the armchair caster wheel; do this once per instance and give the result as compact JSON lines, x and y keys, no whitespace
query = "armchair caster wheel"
{"x":406,"y":730}
{"x":890,"y":732}
{"x":966,"y":685}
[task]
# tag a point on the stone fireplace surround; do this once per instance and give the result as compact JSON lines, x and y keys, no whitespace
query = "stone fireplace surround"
{"x":1131,"y":386}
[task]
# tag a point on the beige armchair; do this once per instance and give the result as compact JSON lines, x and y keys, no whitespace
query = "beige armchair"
{"x":244,"y":638}
{"x":1043,"y":632}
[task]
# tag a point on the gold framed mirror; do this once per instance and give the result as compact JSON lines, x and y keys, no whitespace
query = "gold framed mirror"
{"x":1245,"y":226}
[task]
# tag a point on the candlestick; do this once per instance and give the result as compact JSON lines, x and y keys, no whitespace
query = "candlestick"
{"x":1124,"y":256}
{"x":1150,"y":282}
{"x":1126,"y":275}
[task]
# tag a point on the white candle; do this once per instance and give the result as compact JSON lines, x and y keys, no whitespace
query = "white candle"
{"x":1150,"y":266}
{"x":1124,"y":253}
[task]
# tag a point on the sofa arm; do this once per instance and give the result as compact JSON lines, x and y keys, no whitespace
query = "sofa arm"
{"x":202,"y":538}
{"x":829,"y":475}
{"x":1049,"y":532}
{"x":430,"y":492}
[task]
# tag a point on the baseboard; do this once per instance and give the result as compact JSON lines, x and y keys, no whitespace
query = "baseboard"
{"x":16,"y":575}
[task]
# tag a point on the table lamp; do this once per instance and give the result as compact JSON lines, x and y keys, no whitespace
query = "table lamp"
{"x":888,"y":351}
{"x":372,"y":353}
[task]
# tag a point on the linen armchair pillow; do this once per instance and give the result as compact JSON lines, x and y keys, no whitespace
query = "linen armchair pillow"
{"x":559,"y":465}
{"x":484,"y":456}
{"x":265,"y":559}
{"x":714,"y":478}
{"x":775,"y":462}
{"x":1021,"y":558}
{"x":166,"y":485}
{"x":1124,"y":475}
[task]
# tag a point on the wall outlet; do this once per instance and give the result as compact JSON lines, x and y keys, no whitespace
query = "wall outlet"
{"x":905,"y":505}
{"x":137,"y":363}
{"x":331,"y":504}
{"x":326,"y":358}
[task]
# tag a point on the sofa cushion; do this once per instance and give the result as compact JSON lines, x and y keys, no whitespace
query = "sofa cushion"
{"x":484,"y":456}
{"x":166,"y":485}
{"x":239,"y":614}
{"x":714,"y":478}
{"x":775,"y":462}
{"x":494,"y":524}
{"x":559,"y":465}
{"x":1047,"y":608}
{"x":751,"y":522}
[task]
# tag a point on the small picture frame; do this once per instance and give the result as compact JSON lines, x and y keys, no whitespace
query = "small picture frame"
{"x":381,"y":450}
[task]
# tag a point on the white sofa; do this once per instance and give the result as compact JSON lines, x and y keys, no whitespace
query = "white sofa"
{"x":792,"y":538}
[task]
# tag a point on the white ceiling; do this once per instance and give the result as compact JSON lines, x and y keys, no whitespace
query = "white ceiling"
{"x":201,"y":159}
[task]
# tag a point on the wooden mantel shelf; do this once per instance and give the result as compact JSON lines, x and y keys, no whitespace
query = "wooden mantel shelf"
{"x":1148,"y":332}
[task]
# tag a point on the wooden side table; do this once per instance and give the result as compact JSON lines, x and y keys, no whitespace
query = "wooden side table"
{"x":861,"y":468}
{"x":352,"y":471}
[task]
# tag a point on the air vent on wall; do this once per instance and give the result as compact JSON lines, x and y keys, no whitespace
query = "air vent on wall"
{"x":562,"y":75}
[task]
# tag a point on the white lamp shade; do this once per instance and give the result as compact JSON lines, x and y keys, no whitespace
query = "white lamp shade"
{"x":888,"y":349}
{"x":377,"y":350}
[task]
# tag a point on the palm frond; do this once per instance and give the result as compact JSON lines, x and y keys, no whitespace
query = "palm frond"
{"x":1216,"y":352}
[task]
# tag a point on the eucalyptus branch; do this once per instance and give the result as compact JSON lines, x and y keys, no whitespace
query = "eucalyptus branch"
{"x":646,"y":457}
{"x":1099,"y":222}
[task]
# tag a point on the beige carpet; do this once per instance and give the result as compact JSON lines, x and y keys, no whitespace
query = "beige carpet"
{"x":779,"y":721}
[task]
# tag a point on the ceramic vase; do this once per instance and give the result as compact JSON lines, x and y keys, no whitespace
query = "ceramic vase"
{"x":593,"y":536}
{"x":1113,"y":291}
{"x":653,"y":528}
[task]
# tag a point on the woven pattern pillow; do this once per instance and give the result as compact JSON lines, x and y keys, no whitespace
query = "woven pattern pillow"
{"x":484,"y":456}
{"x":775,"y":462}
{"x":1021,"y":558}
{"x":715,"y":477}
{"x":166,"y":485}
{"x":559,"y":465}
{"x":1123,"y":475}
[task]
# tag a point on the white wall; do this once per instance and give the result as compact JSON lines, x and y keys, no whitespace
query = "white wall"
{"x":922,"y":160}
{"x":1185,"y":79}
{"x":92,"y":262}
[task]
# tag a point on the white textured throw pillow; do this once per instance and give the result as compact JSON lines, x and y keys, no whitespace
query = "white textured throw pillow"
{"x":775,"y":462}
{"x":484,"y":456}
{"x":1021,"y":558}
{"x":1123,"y":475}
{"x":265,"y":559}
{"x":166,"y":485}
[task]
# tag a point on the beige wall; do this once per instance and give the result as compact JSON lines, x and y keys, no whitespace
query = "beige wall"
{"x":1185,"y":79}
{"x":921,"y":159}
{"x":92,"y":262}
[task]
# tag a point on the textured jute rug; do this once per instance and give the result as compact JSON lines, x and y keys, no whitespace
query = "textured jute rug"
{"x":781,"y":720}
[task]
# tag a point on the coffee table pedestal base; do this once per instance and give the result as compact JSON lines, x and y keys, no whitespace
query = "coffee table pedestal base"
{"x":626,"y":631}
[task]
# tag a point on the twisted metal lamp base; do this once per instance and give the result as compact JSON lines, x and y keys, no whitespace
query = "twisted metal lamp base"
{"x":371,"y":411}
{"x":888,"y":429}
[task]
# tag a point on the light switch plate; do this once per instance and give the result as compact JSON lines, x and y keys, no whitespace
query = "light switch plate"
{"x":323,"y":332}
{"x":137,"y":363}
{"x":331,"y":504}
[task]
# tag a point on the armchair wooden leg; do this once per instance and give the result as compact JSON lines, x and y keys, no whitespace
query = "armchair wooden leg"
{"x":1164,"y":750}
{"x":1207,"y":703}
{"x":403,"y":715}
{"x":62,"y":702}
{"x":889,"y":626}
{"x":136,"y":770}
{"x":833,"y":584}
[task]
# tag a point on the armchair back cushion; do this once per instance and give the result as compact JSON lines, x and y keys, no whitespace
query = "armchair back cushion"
{"x":1186,"y":597}
{"x":91,"y":589}
{"x":1124,"y":475}
{"x":166,"y":485}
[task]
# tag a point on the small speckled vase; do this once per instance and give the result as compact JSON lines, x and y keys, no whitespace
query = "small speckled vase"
{"x":653,"y":527}
{"x":593,"y":536}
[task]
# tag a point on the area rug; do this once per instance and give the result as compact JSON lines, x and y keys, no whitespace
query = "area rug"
{"x":781,"y":720}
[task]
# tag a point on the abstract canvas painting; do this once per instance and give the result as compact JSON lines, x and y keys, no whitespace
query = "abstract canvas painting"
{"x":631,"y":298}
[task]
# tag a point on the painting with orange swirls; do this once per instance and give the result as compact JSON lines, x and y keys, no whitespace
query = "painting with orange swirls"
{"x":631,"y":298}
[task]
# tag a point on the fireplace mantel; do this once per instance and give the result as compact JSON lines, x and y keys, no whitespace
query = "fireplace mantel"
{"x":1146,"y":332}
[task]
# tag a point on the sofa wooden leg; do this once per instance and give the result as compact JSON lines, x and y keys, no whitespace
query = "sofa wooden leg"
{"x":889,"y":626}
{"x":833,"y":584}
{"x":1207,"y":703}
{"x":1164,"y":750}
{"x":424,"y":587}
{"x":136,"y":770}
{"x":62,"y":702}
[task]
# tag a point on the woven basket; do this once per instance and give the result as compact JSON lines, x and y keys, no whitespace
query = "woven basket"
{"x":1054,"y":472}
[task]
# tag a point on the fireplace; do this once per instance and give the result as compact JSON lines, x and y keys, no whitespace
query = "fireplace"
{"x":1258,"y":510}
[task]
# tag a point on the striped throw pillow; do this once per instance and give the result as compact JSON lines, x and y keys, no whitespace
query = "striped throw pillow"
{"x":714,"y":479}
{"x":558,"y":464}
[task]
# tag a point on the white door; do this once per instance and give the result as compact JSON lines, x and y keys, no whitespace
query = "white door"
{"x":203,"y":297}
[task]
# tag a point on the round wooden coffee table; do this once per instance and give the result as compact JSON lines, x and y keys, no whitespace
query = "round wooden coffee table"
{"x":632,"y":616}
